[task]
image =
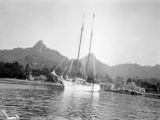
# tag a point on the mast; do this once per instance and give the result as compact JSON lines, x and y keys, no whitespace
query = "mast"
{"x":80,"y":41}
{"x":90,"y":44}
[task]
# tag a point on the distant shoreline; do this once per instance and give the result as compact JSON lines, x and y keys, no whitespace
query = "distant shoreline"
{"x":28,"y":82}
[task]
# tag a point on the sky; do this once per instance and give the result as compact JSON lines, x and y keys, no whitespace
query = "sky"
{"x":124,"y":31}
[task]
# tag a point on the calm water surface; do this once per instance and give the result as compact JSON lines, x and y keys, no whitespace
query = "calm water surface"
{"x":46,"y":103}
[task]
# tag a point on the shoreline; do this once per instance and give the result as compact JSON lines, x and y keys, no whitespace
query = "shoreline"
{"x":28,"y":82}
{"x":147,"y":94}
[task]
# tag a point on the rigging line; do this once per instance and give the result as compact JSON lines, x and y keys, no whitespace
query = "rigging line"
{"x":90,"y":44}
{"x":84,"y":72}
{"x":64,"y":70}
{"x":94,"y":66}
{"x":82,"y":68}
{"x":79,"y":46}
{"x":70,"y":67}
{"x":60,"y":64}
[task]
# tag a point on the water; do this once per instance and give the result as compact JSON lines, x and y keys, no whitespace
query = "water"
{"x":46,"y":103}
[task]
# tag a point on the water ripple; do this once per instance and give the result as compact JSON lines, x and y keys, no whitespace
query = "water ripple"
{"x":45,"y":103}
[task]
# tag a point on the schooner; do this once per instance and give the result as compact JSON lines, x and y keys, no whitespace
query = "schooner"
{"x":76,"y":83}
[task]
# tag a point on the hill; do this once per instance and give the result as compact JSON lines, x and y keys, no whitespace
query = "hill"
{"x":123,"y":70}
{"x":39,"y":55}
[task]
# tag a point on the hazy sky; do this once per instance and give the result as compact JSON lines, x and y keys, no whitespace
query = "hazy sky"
{"x":125,"y":31}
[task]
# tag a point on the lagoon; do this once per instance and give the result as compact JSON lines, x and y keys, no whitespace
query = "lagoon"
{"x":47,"y":103}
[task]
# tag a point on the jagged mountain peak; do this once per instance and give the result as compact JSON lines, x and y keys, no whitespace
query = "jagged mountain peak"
{"x":40,"y":55}
{"x":40,"y":42}
{"x":39,"y":46}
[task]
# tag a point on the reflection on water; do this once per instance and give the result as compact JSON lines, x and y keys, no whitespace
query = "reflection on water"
{"x":81,"y":105}
{"x":46,"y":103}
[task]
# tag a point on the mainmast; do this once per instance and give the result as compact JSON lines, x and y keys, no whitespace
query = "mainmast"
{"x":90,"y":44}
{"x":79,"y":49}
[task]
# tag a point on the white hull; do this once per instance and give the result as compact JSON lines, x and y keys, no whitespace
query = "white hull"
{"x":73,"y":86}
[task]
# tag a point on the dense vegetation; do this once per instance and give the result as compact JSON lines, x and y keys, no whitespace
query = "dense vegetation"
{"x":15,"y":70}
{"x":151,"y":85}
{"x":11,"y":70}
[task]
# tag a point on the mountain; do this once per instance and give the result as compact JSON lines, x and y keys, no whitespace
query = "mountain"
{"x":135,"y":71}
{"x":37,"y":56}
{"x":123,"y":70}
{"x":94,"y":65}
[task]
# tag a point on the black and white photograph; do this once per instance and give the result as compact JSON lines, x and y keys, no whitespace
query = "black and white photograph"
{"x":79,"y":59}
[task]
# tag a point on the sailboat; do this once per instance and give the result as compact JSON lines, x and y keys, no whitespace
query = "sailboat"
{"x":77,"y":83}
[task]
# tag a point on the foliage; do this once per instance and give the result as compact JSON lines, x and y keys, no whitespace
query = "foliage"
{"x":27,"y":71}
{"x":44,"y":71}
{"x":119,"y":82}
{"x":108,"y":79}
{"x":90,"y":79}
{"x":15,"y":70}
{"x":151,"y":85}
{"x":11,"y":70}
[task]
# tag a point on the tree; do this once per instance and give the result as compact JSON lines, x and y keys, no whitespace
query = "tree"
{"x":27,"y":71}
{"x":11,"y":70}
{"x":109,"y":79}
{"x":119,"y":83}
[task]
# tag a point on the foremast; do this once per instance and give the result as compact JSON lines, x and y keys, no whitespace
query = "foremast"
{"x":79,"y":49}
